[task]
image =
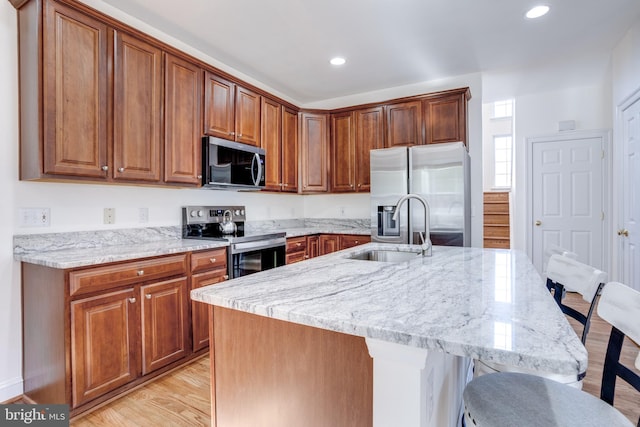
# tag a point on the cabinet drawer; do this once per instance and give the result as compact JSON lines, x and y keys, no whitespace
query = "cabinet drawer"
{"x":496,"y":243}
{"x":349,"y":241}
{"x":296,"y":244}
{"x":496,"y":231}
{"x":294,"y":257}
{"x":102,"y":278}
{"x":209,"y":260}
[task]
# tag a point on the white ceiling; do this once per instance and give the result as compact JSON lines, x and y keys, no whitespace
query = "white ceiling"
{"x":287,"y":44}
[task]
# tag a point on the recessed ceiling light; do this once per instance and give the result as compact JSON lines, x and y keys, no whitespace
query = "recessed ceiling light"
{"x":337,"y":61}
{"x":537,"y":12}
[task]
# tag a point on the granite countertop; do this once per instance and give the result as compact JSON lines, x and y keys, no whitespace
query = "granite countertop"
{"x":82,"y":257}
{"x":87,"y":248}
{"x":481,"y":303}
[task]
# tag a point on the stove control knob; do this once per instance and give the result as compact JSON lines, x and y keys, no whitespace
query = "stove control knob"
{"x":200,"y":213}
{"x":242,"y":212}
{"x":193,"y":214}
{"x":236,"y":212}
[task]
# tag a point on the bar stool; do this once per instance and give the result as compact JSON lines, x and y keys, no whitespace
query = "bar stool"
{"x":513,"y":399}
{"x":562,"y":273}
{"x":555,"y":250}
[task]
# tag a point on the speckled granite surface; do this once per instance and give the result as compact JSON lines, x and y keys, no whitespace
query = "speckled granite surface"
{"x":85,"y":248}
{"x":481,"y":303}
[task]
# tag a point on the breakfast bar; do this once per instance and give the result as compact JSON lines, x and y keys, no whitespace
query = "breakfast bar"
{"x":378,"y":335}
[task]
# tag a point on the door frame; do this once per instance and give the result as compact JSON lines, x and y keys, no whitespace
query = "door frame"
{"x":618,"y":180}
{"x":605,"y":136}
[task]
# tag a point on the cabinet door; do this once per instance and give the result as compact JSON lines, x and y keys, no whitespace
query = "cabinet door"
{"x":328,"y":243}
{"x":289,"y":165}
{"x":343,"y":157}
{"x":183,"y":121}
{"x":137,"y":112}
{"x":369,"y":135}
{"x":219,"y":107}
{"x":75,"y":80}
{"x":314,"y":152}
{"x":199,"y":310}
{"x":313,"y":246}
{"x":247,"y":116}
{"x":404,"y":123}
{"x":104,"y":344}
{"x":165,"y":330}
{"x":271,"y":142}
{"x":446,"y":119}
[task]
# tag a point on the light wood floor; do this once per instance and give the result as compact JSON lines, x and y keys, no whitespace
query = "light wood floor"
{"x":182,"y":398}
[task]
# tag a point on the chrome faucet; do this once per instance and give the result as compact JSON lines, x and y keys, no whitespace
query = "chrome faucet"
{"x":424,"y":236}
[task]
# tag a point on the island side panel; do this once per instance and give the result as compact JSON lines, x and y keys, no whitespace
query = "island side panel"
{"x":273,"y":373}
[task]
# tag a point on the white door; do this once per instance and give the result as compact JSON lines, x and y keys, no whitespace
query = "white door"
{"x":630,"y":231}
{"x":566,"y":183}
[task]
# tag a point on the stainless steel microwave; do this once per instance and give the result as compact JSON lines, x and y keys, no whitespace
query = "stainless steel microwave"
{"x":232,"y":165}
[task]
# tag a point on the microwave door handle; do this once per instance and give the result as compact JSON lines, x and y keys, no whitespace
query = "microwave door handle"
{"x":256,"y":178}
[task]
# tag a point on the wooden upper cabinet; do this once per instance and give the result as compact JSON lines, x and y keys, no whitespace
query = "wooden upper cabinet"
{"x":289,"y":162}
{"x":343,"y":156}
{"x":247,"y":116}
{"x":183,"y":121}
{"x":314,"y":152}
{"x":137,"y":121}
{"x":231,"y":111}
{"x":445,"y":117}
{"x":75,"y":79}
{"x":404,"y":123}
{"x":219,"y":107}
{"x":369,"y":135}
{"x":271,"y":142}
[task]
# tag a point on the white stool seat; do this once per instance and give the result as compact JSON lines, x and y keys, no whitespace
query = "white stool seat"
{"x":532,"y":401}
{"x":480,"y":367}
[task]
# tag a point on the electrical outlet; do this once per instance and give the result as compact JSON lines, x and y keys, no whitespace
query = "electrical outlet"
{"x":143,"y":214}
{"x":109,"y":215}
{"x":34,"y":217}
{"x":342,"y":210}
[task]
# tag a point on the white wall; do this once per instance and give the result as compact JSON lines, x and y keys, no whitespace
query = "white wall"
{"x":539,"y":114}
{"x":626,"y":82}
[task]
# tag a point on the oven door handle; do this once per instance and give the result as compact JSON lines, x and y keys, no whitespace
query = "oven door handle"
{"x":242,"y":247}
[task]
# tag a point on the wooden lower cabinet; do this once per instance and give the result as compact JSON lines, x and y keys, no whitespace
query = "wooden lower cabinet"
{"x":104,"y":334}
{"x":93,"y":333}
{"x":351,"y":240}
{"x":329,"y":243}
{"x":313,"y":246}
{"x":296,"y":249}
{"x":199,"y":311}
{"x":165,"y":327}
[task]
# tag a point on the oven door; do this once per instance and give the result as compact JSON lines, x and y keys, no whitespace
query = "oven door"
{"x":251,"y":257}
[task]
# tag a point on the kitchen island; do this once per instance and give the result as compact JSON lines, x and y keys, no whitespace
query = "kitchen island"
{"x":293,"y":345}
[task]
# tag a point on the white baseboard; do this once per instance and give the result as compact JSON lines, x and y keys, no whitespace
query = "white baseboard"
{"x":11,"y":389}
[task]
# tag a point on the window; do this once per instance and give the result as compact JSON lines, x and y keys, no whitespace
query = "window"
{"x":502,"y":109}
{"x":502,"y":159}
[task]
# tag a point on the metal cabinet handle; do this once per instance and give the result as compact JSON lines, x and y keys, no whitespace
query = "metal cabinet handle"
{"x":140,"y":272}
{"x":199,"y":176}
{"x":147,"y":296}
{"x":213,"y":260}
{"x":298,"y":244}
{"x":538,"y":223}
{"x":232,"y":133}
{"x":225,"y":277}
{"x":120,"y":170}
{"x":105,"y":168}
{"x":239,"y":135}
{"x":132,"y":300}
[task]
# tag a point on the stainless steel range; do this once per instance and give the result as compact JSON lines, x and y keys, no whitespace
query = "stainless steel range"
{"x":248,"y":252}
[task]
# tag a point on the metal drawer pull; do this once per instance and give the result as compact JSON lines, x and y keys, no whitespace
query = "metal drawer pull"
{"x":140,"y":272}
{"x":212,"y":260}
{"x":147,"y":296}
{"x":132,"y":300}
{"x":226,"y":277}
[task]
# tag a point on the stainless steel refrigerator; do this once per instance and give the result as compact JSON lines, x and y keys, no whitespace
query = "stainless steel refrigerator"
{"x":440,"y":174}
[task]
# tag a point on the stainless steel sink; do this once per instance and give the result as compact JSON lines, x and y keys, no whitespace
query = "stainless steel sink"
{"x":382,"y":255}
